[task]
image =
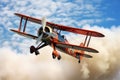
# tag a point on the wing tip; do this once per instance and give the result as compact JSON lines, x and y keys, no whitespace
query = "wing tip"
{"x":16,"y":13}
{"x":93,"y":50}
{"x":102,"y":35}
{"x":96,"y":51}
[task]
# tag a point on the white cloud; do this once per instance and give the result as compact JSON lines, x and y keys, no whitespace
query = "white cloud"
{"x":28,"y":67}
{"x":110,"y":19}
{"x":1,"y":30}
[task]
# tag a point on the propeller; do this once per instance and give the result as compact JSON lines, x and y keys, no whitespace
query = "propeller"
{"x":43,"y":21}
{"x":39,"y":38}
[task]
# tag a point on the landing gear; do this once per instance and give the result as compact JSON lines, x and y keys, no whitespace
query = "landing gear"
{"x":33,"y":49}
{"x":79,"y":61}
{"x":53,"y":56}
{"x":37,"y":52}
{"x":59,"y":57}
{"x":55,"y":53}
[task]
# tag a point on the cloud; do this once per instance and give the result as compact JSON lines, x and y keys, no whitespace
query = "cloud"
{"x":103,"y":66}
{"x":1,"y":30}
{"x":110,"y":19}
{"x":27,"y":67}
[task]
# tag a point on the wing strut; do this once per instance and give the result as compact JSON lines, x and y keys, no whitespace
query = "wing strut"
{"x":20,"y":24}
{"x":87,"y":39}
{"x":25,"y":24}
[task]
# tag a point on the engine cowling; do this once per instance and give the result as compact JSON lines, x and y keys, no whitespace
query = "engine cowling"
{"x":46,"y":30}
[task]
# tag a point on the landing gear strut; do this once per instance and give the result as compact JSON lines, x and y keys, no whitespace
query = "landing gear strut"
{"x":33,"y":49}
{"x":54,"y":56}
{"x":54,"y":53}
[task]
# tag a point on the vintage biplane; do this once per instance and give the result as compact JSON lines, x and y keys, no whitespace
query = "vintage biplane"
{"x":50,"y":34}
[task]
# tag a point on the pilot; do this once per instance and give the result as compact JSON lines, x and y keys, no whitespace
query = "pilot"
{"x":63,"y":36}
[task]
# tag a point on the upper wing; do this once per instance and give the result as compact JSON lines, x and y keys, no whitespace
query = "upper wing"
{"x":24,"y":34}
{"x":29,"y":18}
{"x":65,"y":45}
{"x":62,"y":27}
{"x":76,"y":30}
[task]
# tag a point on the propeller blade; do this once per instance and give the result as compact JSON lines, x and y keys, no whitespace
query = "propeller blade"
{"x":39,"y":38}
{"x":43,"y":23}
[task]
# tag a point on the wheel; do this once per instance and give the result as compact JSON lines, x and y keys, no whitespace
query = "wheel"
{"x":79,"y":61}
{"x":32,"y":49}
{"x":77,"y":55}
{"x":59,"y":57}
{"x":37,"y":52}
{"x":53,"y":56}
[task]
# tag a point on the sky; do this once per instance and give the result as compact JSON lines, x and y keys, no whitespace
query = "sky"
{"x":98,"y":15}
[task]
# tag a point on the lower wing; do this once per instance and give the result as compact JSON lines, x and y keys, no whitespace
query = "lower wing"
{"x":25,"y":34}
{"x":65,"y":45}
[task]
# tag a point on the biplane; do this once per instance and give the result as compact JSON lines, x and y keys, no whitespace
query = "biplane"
{"x":50,"y":34}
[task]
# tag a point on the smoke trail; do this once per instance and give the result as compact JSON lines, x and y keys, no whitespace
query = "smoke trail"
{"x":103,"y":66}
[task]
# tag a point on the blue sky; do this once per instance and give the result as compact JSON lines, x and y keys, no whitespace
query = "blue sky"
{"x":77,"y":13}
